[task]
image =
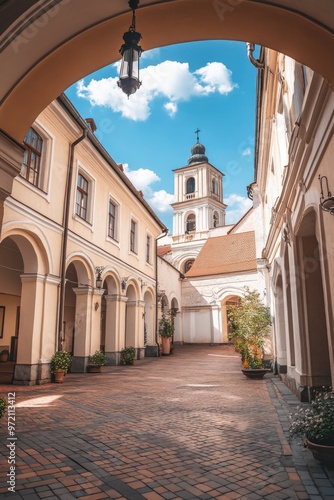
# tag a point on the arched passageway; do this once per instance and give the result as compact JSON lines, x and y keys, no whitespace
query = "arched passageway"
{"x":26,"y":289}
{"x":315,"y":368}
{"x":45,"y":47}
{"x":231,"y":300}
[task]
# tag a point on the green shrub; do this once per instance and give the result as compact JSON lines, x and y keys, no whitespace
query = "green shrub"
{"x":97,"y":359}
{"x":128,"y":355}
{"x":61,"y":360}
{"x":166,"y":326}
{"x":315,"y":421}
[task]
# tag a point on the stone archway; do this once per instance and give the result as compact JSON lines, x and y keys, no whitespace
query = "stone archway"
{"x":25,"y":289}
{"x":47,"y":46}
{"x":110,"y":319}
{"x":230,"y":300}
{"x":79,"y":320}
{"x":313,"y":329}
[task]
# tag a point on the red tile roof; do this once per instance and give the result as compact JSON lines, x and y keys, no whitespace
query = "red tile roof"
{"x":225,"y":254}
{"x":163,"y":250}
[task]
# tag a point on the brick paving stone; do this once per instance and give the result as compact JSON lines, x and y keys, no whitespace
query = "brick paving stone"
{"x":185,"y":426}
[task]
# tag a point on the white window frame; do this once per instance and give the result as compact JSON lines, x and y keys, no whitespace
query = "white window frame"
{"x":116,"y":238}
{"x":150,"y":261}
{"x":134,"y":251}
{"x":43,"y":188}
{"x":91,"y":195}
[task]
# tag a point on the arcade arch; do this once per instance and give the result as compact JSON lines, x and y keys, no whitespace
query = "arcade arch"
{"x":27,"y":290}
{"x":230,"y":300}
{"x":313,"y":328}
{"x":44,"y":51}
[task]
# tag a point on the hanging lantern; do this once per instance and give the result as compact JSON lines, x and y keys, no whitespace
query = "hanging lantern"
{"x":131,"y":52}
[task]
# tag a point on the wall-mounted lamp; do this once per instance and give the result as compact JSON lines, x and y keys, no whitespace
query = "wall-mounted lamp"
{"x":99,"y":280}
{"x":123,"y":283}
{"x":327,"y":204}
{"x":96,"y":306}
{"x":131,"y":52}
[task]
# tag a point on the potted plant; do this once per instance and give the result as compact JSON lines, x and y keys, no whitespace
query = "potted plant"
{"x":4,"y":356}
{"x":166,"y":332}
{"x":315,"y":423}
{"x":95,"y":362}
{"x":249,"y":322}
{"x":60,"y":363}
{"x":128,"y":355}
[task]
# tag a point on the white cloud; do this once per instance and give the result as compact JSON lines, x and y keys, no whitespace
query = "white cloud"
{"x":246,"y":152}
{"x":171,"y":108}
{"x":142,"y":179}
{"x":170,"y":79}
{"x":216,"y":77}
{"x":161,"y":200}
{"x":150,"y":54}
{"x":237,"y":207}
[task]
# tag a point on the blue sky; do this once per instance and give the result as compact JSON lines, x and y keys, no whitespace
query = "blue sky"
{"x":207,"y":85}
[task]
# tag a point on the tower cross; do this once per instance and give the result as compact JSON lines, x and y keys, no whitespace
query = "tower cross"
{"x":197,"y":132}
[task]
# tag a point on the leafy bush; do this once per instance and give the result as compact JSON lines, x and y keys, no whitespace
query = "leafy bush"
{"x":3,"y":406}
{"x":166,"y":326}
{"x":250,"y":326}
{"x":61,"y":360}
{"x":97,"y":359}
{"x":315,"y":421}
{"x":128,"y":355}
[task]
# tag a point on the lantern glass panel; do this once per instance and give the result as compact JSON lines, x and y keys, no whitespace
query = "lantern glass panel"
{"x":124,"y":72}
{"x":135,"y":64}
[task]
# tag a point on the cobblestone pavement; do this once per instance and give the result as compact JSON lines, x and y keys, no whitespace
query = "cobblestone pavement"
{"x":186,"y":426}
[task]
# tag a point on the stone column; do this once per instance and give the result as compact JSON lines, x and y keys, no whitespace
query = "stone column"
{"x":114,"y":340}
{"x":95,"y":337}
{"x":30,"y":329}
{"x":83,"y":319}
{"x":131,"y":324}
{"x":140,"y":329}
{"x":122,"y":321}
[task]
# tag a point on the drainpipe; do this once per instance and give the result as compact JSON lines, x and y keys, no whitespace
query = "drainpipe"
{"x":250,"y":49}
{"x":65,"y":239}
{"x":156,"y":287}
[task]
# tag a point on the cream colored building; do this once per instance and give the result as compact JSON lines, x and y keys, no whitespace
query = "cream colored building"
{"x":73,"y":213}
{"x":295,"y":237}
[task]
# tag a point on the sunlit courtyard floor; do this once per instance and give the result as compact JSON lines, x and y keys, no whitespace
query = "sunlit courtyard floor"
{"x":185,"y":426}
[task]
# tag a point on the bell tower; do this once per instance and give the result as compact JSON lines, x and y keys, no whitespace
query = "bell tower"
{"x":198,"y":197}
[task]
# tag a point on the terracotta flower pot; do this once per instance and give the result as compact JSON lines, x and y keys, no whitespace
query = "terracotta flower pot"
{"x":59,"y":376}
{"x":165,"y":343}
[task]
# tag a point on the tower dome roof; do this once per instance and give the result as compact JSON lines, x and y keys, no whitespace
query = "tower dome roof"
{"x":197,"y":154}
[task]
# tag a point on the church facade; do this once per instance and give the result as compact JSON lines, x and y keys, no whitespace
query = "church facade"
{"x":214,"y":262}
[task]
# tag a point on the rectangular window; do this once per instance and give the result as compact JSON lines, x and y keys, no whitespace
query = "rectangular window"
{"x":133,"y":236}
{"x":82,"y":197}
{"x":32,"y":157}
{"x":112,"y":221}
{"x":148,"y":249}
